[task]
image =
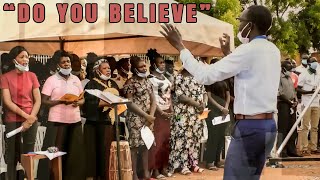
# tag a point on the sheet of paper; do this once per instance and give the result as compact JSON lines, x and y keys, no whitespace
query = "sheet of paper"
{"x":51,"y":155}
{"x":113,"y":98}
{"x":204,"y":115}
{"x":147,"y":136}
{"x":220,"y":120}
{"x":96,"y":93}
{"x":14,"y":132}
{"x":106,"y":96}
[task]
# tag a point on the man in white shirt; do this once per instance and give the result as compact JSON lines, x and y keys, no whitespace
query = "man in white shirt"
{"x":256,"y":67}
{"x":307,"y":83}
{"x":318,"y":60}
{"x":304,"y":64}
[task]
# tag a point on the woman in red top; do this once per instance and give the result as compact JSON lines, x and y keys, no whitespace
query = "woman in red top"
{"x":21,"y":97}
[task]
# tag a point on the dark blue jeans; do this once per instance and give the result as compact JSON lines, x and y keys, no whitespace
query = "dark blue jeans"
{"x":251,"y":143}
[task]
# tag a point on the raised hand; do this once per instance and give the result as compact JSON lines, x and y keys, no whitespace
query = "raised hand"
{"x":225,"y":44}
{"x":173,"y":35}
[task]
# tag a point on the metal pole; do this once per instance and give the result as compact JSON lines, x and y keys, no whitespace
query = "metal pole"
{"x":118,"y":141}
{"x":294,"y":127}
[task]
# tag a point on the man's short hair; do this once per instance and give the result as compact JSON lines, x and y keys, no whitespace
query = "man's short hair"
{"x":286,"y":63}
{"x":261,"y":17}
{"x":312,"y":59}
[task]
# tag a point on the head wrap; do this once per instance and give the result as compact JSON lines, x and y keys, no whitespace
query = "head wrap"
{"x":98,"y":63}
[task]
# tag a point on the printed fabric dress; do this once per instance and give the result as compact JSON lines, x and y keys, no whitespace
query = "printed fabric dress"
{"x":186,"y":128}
{"x":141,"y":96}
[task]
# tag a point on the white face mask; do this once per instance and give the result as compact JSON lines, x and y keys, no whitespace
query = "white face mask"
{"x":103,"y":77}
{"x":304,"y":61}
{"x":314,"y":65}
{"x":65,"y":72}
{"x":169,"y":74}
{"x":157,"y":69}
{"x":244,"y":40}
{"x":20,"y":67}
{"x":124,"y":71}
{"x":142,"y":75}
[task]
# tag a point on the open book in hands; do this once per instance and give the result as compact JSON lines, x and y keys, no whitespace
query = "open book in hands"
{"x":71,"y":97}
{"x":111,"y":99}
{"x":107,"y":96}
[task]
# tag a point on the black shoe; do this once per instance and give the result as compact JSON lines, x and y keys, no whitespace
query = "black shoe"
{"x":294,"y":155}
{"x":284,"y":155}
{"x":20,"y":175}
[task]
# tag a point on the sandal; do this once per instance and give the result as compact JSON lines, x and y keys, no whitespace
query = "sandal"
{"x":166,"y":173}
{"x":219,"y":165}
{"x":197,"y":169}
{"x":185,"y":171}
{"x":212,"y":167}
{"x":160,"y":176}
{"x":169,"y":174}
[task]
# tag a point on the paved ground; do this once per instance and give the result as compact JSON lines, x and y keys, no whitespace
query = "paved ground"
{"x":298,"y":170}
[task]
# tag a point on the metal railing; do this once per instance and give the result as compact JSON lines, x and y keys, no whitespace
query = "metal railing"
{"x":294,"y":127}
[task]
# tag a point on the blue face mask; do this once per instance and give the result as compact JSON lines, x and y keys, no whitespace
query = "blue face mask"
{"x":304,"y":61}
{"x":314,"y":65}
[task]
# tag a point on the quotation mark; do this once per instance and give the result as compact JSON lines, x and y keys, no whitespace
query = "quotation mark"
{"x":9,"y":7}
{"x":205,"y":6}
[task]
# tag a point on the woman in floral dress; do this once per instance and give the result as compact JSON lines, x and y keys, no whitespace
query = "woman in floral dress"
{"x":141,"y":112}
{"x":186,"y":128}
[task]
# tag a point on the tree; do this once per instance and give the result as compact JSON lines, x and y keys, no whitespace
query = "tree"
{"x":296,"y":23}
{"x":284,"y":32}
{"x":228,"y":11}
{"x":300,"y":30}
{"x":309,"y":19}
{"x":198,"y":7}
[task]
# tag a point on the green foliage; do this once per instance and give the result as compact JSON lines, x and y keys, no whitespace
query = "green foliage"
{"x":292,"y":32}
{"x":310,"y":16}
{"x":228,"y":11}
{"x":223,"y":6}
{"x":198,"y":7}
{"x":300,"y":30}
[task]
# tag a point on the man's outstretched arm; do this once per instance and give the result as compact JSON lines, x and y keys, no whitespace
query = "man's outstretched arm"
{"x":227,"y":67}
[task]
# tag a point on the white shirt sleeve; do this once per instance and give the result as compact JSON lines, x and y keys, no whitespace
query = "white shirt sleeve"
{"x":227,"y":67}
{"x":301,"y":80}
